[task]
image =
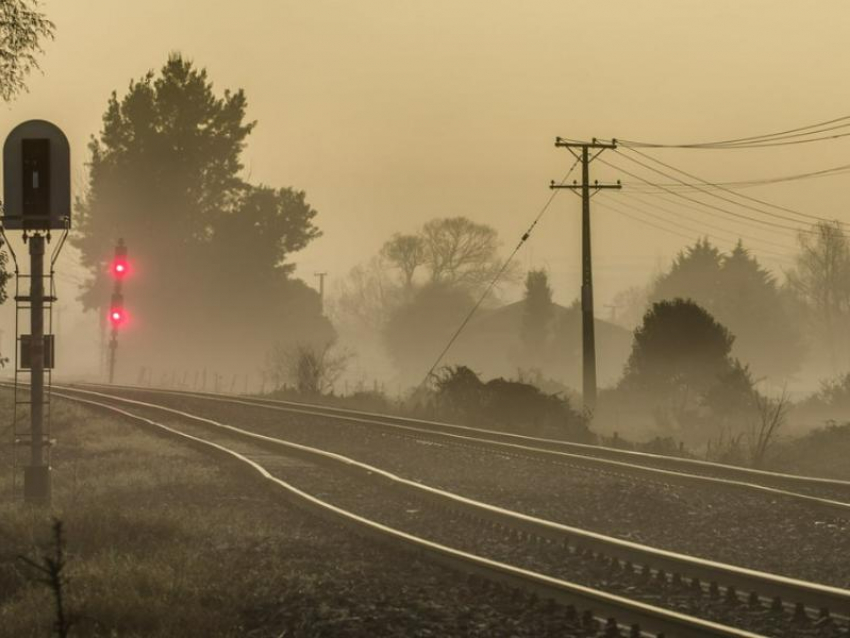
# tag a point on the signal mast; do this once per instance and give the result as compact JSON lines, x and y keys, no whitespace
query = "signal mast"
{"x":119,"y":269}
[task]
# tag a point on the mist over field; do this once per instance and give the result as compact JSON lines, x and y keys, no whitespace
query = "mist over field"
{"x":485,"y":280}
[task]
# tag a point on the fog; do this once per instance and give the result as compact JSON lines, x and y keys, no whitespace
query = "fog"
{"x":388,"y":116}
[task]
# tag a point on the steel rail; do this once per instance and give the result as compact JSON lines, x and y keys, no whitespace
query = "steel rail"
{"x":639,"y":618}
{"x":736,"y":581}
{"x":505,"y":441}
{"x":600,"y":450}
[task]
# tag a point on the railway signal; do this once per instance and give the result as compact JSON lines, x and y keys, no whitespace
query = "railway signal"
{"x":119,"y":268}
{"x":36,"y":200}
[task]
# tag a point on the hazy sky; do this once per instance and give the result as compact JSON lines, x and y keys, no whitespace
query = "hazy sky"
{"x":389,"y":113}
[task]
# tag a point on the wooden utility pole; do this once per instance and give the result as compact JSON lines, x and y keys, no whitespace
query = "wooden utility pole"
{"x":581,"y":151}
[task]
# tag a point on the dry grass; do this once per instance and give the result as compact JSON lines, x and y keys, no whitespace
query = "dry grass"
{"x":162,"y":541}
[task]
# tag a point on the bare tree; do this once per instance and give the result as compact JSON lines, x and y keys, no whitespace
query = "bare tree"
{"x":407,"y":253}
{"x":772,"y":413}
{"x":459,"y":252}
{"x":22,"y":30}
{"x":820,"y":279}
{"x":309,"y":368}
{"x":368,"y":295}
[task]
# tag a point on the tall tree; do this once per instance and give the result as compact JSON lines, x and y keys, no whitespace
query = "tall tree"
{"x":537,"y":315}
{"x":696,"y":272}
{"x":460,"y":252}
{"x":211,"y":249}
{"x":820,"y":279}
{"x":754,"y":308}
{"x":744,"y":297}
{"x":407,"y":254}
{"x":23,"y":28}
{"x":679,"y":348}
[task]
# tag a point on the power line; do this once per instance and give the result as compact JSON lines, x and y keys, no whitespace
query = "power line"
{"x":767,"y":254}
{"x":717,"y":208}
{"x":826,"y":172}
{"x":781,"y":232}
{"x":495,"y":279}
{"x":728,"y":233}
{"x":643,"y":221}
{"x":755,"y":141}
{"x":747,"y":197}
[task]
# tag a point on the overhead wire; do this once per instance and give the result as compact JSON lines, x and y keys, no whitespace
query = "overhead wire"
{"x":607,"y":205}
{"x":496,"y":278}
{"x":827,"y":172}
{"x":807,"y":216}
{"x":726,"y":234}
{"x":705,"y":191}
{"x":755,"y":141}
{"x":697,"y":234}
{"x":706,"y":224}
{"x":706,"y":204}
{"x":779,"y":232}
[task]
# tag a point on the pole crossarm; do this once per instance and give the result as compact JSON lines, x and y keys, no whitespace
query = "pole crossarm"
{"x":561,"y":142}
{"x":578,"y":187}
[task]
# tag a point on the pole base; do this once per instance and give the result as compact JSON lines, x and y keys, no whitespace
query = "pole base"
{"x":37,"y":485}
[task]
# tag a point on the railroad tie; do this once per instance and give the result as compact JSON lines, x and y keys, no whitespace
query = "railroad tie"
{"x":754,"y":601}
{"x":612,"y":629}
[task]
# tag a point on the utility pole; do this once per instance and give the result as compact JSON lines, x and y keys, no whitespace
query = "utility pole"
{"x":321,"y":276}
{"x":581,"y":151}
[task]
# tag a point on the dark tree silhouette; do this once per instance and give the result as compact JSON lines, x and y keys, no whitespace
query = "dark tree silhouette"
{"x":695,"y":273}
{"x":743,"y":296}
{"x":679,"y":347}
{"x":210,"y":248}
{"x":537,"y":316}
{"x":754,"y":308}
{"x":514,"y":406}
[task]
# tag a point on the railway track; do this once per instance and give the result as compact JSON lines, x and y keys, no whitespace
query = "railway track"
{"x":746,"y":595}
{"x":831,"y":496}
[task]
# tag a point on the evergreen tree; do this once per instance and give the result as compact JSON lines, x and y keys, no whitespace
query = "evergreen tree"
{"x":537,"y":315}
{"x":753,"y":307}
{"x":209,"y":249}
{"x":695,"y":273}
{"x":744,"y":297}
{"x":679,"y":347}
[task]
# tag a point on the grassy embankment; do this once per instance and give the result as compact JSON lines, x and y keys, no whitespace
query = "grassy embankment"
{"x":164,"y":541}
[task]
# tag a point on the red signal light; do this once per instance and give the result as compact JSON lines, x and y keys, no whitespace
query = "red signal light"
{"x":120,"y":268}
{"x":117,"y":316}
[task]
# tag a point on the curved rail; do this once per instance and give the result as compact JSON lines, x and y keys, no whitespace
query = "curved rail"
{"x":736,"y":581}
{"x":639,"y":618}
{"x":573,"y":453}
